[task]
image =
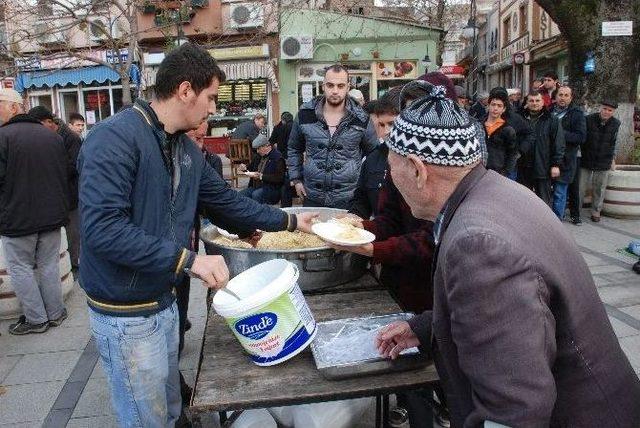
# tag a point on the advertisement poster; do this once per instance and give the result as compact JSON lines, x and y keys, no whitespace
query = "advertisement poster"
{"x":307,"y":92}
{"x":387,"y":70}
{"x":90,"y":117}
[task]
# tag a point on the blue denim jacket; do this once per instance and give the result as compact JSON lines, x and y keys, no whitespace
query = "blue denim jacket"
{"x":135,"y":225}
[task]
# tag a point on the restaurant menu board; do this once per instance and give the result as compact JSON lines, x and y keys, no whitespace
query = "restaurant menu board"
{"x":396,"y":70}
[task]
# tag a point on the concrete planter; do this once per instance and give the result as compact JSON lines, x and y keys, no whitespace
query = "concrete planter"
{"x":622,"y":196}
{"x":9,"y":304}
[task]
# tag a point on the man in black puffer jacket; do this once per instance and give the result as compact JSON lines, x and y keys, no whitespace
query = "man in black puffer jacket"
{"x":575,"y":131}
{"x":330,"y":136}
{"x":33,"y":208}
{"x":543,"y":161}
{"x":72,"y":143}
{"x":597,"y":154}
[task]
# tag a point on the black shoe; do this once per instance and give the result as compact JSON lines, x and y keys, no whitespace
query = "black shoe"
{"x":576,"y":221}
{"x":185,"y":391}
{"x":187,"y":325}
{"x":636,"y":267}
{"x":56,"y":322}
{"x":398,"y":417}
{"x":23,"y":327}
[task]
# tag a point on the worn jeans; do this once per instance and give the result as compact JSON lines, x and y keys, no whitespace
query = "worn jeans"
{"x":140,"y":358}
{"x":596,"y":180}
{"x":264,"y":195}
{"x":559,"y":199}
{"x":33,"y":263}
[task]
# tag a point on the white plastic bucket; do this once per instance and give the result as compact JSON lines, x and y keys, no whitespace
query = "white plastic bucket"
{"x":272,"y":321}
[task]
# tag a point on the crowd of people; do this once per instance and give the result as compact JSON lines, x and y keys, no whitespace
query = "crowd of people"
{"x":464,"y":200}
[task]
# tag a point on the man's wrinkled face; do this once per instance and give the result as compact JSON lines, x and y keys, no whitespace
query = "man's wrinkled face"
{"x":77,"y":126}
{"x":549,"y":83}
{"x":8,"y":109}
{"x":336,"y":87}
{"x":383,"y":124}
{"x":264,"y":150}
{"x":260,"y":123}
{"x":535,"y":103}
{"x":198,"y":134}
{"x":606,"y":112}
{"x":200,"y":106}
{"x":564,"y":97}
{"x":404,"y":176}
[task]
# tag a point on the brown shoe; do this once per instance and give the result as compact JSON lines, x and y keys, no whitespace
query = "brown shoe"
{"x":595,"y":218}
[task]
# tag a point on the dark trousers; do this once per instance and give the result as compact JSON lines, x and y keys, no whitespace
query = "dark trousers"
{"x":542,"y":188}
{"x":182,"y":300}
{"x":573,"y":195}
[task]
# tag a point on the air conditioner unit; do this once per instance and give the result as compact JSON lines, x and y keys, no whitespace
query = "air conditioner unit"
{"x":296,"y":47}
{"x":99,"y":29}
{"x":247,"y":15}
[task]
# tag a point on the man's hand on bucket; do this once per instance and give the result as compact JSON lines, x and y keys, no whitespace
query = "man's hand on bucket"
{"x":212,"y":270}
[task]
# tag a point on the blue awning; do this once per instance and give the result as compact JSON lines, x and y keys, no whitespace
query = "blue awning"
{"x":70,"y":76}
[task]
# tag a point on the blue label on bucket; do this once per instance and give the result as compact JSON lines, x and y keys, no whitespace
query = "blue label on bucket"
{"x":291,"y":345}
{"x":257,"y":326}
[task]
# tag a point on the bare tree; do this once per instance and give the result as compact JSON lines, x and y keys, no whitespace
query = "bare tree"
{"x":617,"y":63}
{"x":74,"y":29}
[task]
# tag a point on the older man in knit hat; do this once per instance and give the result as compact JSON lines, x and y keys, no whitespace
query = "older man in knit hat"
{"x":517,"y":330}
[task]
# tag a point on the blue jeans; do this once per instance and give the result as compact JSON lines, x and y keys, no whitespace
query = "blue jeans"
{"x":264,"y":194}
{"x":559,"y":199}
{"x":140,"y":358}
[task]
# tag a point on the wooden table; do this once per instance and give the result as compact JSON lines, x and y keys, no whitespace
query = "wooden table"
{"x":228,"y":380}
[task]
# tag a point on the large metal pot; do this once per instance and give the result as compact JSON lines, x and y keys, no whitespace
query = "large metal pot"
{"x":319,"y":267}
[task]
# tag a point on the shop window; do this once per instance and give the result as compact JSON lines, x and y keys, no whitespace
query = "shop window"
{"x":385,"y":85}
{"x":69,"y":104}
{"x":523,"y":19}
{"x":242,"y":98}
{"x":97,"y":105}
{"x":41,"y":100}
{"x":506,"y":27}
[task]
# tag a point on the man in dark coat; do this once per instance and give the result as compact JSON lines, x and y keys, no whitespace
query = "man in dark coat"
{"x":575,"y":131}
{"x":598,"y":154}
{"x":72,"y":143}
{"x":517,"y":330}
{"x":34,"y":205}
{"x":280,"y":138}
{"x":543,"y":160}
{"x":249,"y":130}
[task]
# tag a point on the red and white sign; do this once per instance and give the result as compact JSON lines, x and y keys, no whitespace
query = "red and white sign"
{"x":452,"y":71}
{"x":7,"y":83}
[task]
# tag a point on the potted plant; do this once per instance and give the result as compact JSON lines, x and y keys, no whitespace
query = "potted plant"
{"x":375,"y":54}
{"x":622,"y":196}
{"x":344,"y":56}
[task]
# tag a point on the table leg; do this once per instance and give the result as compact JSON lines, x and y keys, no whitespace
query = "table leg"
{"x":385,"y":411}
{"x":378,"y":411}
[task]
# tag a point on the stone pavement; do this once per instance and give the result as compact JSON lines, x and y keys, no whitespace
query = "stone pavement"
{"x":52,"y":379}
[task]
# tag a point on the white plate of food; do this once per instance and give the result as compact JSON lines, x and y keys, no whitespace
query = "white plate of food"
{"x":342,"y":234}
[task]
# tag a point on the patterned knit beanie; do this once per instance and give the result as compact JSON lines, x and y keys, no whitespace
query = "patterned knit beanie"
{"x":437,"y":130}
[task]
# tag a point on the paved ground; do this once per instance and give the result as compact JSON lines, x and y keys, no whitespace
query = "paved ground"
{"x":53,"y":380}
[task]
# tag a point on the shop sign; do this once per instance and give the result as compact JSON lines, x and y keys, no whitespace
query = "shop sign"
{"x":396,"y":70}
{"x":7,"y":83}
{"x":617,"y":28}
{"x":112,"y":56}
{"x":518,"y":59}
{"x":240,"y":52}
{"x":36,"y":63}
{"x":312,"y":72}
{"x":306,"y":91}
{"x":517,"y":45}
{"x":95,"y":99}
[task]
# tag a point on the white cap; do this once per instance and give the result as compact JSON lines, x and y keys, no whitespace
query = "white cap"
{"x":10,"y":95}
{"x":513,"y":91}
{"x":357,"y":94}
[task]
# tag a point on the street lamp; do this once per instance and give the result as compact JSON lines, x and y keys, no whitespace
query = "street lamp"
{"x":426,"y":61}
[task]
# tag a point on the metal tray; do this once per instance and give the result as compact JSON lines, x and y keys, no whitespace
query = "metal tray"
{"x":337,"y":353}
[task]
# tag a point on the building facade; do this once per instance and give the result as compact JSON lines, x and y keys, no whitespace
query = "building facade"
{"x":379,"y":53}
